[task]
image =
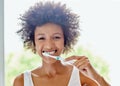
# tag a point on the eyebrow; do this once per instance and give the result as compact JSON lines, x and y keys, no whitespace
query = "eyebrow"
{"x":39,"y":34}
{"x":58,"y":33}
{"x":44,"y":34}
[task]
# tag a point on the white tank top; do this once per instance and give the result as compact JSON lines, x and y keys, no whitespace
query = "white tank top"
{"x":74,"y":79}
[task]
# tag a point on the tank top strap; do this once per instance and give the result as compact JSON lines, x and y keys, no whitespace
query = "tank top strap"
{"x":28,"y":79}
{"x":75,"y":78}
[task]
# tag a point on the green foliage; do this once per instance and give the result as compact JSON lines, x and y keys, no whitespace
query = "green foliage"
{"x":17,"y":63}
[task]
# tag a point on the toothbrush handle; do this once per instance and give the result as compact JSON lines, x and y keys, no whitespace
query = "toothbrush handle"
{"x":63,"y":60}
{"x":71,"y":61}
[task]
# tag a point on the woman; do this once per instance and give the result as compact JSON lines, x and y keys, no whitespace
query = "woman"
{"x":52,"y":28}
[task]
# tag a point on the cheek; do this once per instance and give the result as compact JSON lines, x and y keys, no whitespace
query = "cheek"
{"x":37,"y":46}
{"x":61,"y":46}
{"x":38,"y":49}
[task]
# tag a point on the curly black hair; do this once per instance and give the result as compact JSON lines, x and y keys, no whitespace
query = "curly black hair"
{"x":49,"y":12}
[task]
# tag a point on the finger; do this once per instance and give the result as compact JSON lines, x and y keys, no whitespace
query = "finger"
{"x":81,"y":61}
{"x":73,"y":58}
{"x":82,"y":65}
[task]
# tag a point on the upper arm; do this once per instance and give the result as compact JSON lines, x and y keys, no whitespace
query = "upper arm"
{"x":87,"y":80}
{"x":19,"y":81}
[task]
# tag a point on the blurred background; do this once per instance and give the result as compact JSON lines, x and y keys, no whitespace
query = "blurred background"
{"x":100,"y":24}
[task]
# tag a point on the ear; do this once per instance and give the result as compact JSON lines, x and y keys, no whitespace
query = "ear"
{"x":33,"y":47}
{"x":63,"y":51}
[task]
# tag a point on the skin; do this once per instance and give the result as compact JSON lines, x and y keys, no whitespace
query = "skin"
{"x":83,"y":64}
{"x":50,"y":38}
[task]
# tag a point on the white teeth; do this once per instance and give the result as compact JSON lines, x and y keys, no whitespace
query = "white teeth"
{"x":52,"y":52}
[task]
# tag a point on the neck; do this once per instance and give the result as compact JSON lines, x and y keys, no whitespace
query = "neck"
{"x":53,"y":69}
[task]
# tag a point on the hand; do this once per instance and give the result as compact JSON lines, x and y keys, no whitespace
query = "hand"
{"x":82,"y":63}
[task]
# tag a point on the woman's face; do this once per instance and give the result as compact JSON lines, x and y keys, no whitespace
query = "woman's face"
{"x":49,"y":38}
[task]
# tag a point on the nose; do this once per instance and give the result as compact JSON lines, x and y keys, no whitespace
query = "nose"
{"x":49,"y":44}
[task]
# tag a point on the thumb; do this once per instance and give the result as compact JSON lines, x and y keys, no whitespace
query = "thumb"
{"x":72,"y":58}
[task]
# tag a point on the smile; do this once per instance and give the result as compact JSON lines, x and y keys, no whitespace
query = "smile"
{"x":50,"y":52}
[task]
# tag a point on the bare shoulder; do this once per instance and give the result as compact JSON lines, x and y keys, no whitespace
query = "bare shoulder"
{"x":86,"y":80}
{"x":19,"y":80}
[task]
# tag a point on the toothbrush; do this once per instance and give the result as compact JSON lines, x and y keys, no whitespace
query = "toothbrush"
{"x":58,"y":58}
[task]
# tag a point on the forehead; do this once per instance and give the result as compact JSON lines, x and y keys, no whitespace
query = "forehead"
{"x":48,"y":28}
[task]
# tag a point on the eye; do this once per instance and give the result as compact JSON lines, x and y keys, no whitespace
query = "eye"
{"x":41,"y":38}
{"x":57,"y":37}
